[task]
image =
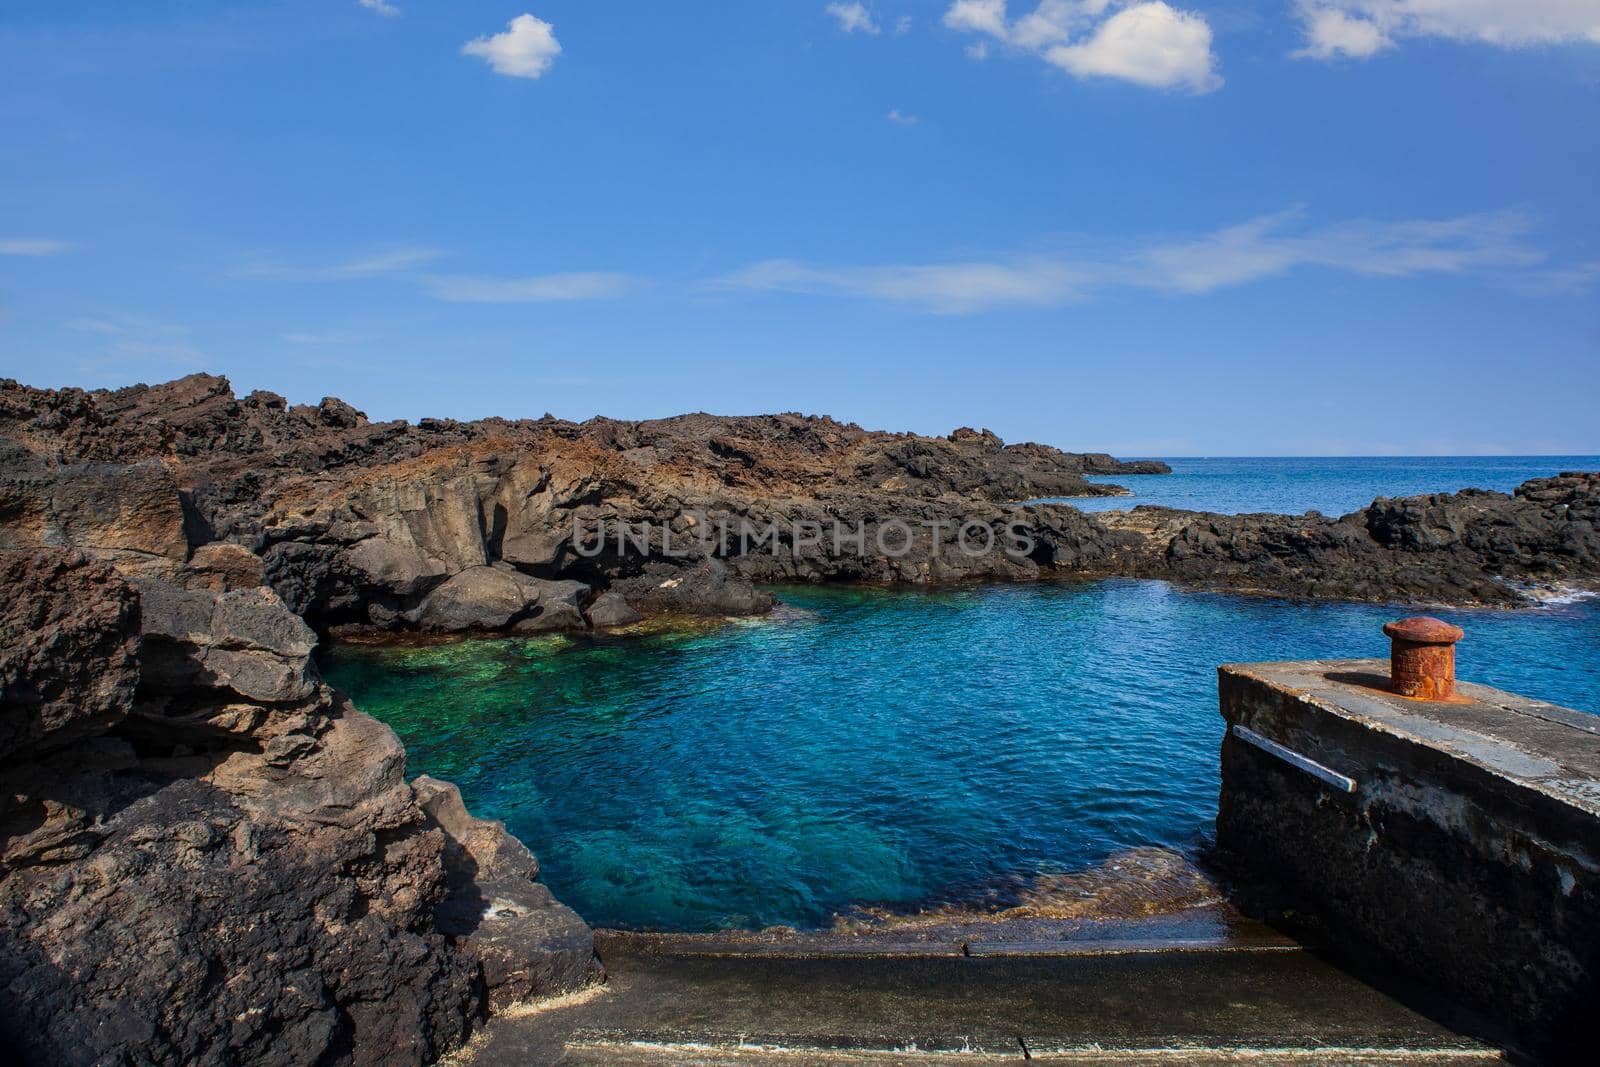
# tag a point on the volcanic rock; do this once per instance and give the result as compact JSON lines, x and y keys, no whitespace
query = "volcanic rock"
{"x":208,"y":856}
{"x":612,"y":609}
{"x":69,"y":641}
{"x":498,"y":598}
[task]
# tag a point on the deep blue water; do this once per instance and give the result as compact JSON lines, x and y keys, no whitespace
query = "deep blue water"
{"x":878,"y":746}
{"x":1333,"y":486}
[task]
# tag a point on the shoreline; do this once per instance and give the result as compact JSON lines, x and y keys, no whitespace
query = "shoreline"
{"x":658,"y":623}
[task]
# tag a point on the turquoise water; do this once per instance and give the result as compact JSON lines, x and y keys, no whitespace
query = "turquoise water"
{"x":1333,"y":486}
{"x":874,"y":746}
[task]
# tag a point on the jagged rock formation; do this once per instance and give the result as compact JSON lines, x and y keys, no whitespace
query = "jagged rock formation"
{"x":448,"y":526}
{"x":1471,"y":547}
{"x":208,"y":856}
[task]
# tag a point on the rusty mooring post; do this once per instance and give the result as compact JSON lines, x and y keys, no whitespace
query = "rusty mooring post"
{"x":1422,"y":657}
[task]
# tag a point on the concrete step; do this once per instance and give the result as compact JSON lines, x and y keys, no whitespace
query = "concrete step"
{"x":1189,"y":1004}
{"x":600,"y":1054}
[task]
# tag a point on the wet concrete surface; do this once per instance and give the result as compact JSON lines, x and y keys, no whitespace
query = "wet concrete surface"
{"x":1135,"y":997}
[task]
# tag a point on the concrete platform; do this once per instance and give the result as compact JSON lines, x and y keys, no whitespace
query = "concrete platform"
{"x":1090,"y":1001}
{"x":1458,"y":839}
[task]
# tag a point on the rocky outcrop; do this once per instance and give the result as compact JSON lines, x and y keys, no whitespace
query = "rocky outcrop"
{"x":208,"y":856}
{"x":447,"y":526}
{"x":452,"y":527}
{"x":1471,"y":547}
{"x":525,"y":941}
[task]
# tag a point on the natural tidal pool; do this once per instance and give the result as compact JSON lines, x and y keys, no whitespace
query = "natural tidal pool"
{"x":878,"y":746}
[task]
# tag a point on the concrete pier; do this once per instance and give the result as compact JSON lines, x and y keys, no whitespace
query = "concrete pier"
{"x":1457,"y":841}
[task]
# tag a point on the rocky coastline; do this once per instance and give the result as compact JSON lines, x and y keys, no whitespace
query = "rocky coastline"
{"x":208,"y":855}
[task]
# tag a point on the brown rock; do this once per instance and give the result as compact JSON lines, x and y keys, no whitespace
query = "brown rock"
{"x":222,"y":566}
{"x":68,"y":647}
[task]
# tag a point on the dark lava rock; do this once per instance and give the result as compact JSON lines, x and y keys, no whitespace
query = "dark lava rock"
{"x":448,"y":526}
{"x":69,"y":638}
{"x":612,"y":609}
{"x":527,"y":942}
{"x":1471,"y":547}
{"x":499,"y":598}
{"x":208,"y":856}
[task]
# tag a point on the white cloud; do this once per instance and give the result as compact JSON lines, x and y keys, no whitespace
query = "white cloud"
{"x":853,"y":18}
{"x":525,"y":49}
{"x":1146,"y":42}
{"x":373,"y":265}
{"x":1361,"y":28}
{"x":32,"y":246}
{"x":1331,"y":33}
{"x":902,"y":25}
{"x":1494,"y":244}
{"x":543,"y":288}
{"x":978,"y":16}
{"x":899,"y":117}
{"x":382,"y":7}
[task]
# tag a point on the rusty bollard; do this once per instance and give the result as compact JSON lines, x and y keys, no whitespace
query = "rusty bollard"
{"x":1422,"y":657}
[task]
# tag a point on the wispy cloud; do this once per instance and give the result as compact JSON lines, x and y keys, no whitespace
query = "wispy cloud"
{"x":127,"y":338}
{"x":317,"y":340}
{"x":953,"y":288}
{"x":407,"y":265}
{"x":899,"y":117}
{"x":1146,"y":42}
{"x":1273,"y":245}
{"x":1495,"y":244}
{"x":541,"y":288}
{"x":854,"y":18}
{"x":1358,"y":29}
{"x":382,"y":7}
{"x":389,"y":261}
{"x":32,"y":246}
{"x":525,"y":49}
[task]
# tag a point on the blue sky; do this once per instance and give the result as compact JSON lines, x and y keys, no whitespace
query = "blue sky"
{"x":1278,"y":227}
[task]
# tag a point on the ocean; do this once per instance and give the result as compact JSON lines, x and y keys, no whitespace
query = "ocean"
{"x":1292,"y":485}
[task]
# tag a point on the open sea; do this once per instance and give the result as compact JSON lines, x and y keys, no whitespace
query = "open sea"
{"x":1291,"y":485}
{"x":872,"y":746}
